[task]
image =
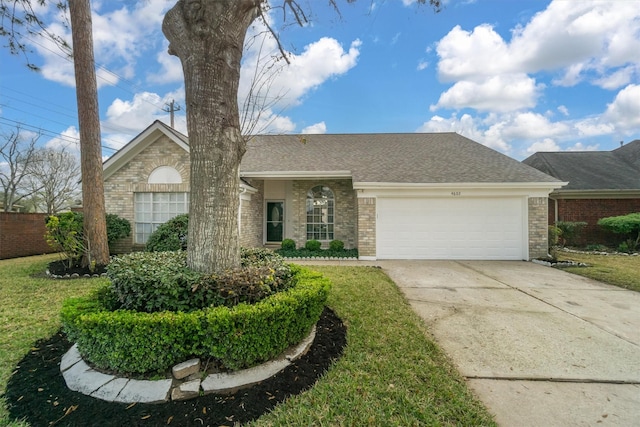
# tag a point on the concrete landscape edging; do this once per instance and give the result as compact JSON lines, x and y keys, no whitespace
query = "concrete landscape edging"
{"x":79,"y":376}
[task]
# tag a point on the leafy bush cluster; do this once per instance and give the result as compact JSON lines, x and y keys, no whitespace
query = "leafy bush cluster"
{"x":626,"y":225}
{"x":313,"y":249}
{"x":161,"y":281}
{"x":65,"y":233}
{"x":569,"y":231}
{"x":170,"y":236}
{"x":237,"y":337}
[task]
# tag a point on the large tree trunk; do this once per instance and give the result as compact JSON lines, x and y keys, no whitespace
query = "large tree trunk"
{"x":95,"y":229}
{"x":208,"y":37}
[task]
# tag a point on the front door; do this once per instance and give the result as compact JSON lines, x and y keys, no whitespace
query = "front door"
{"x":275,"y":221}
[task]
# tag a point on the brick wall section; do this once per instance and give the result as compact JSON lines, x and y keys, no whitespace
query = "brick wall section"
{"x":538,"y":227}
{"x":590,"y":211}
{"x":367,"y":227}
{"x":22,"y":234}
{"x":345,"y":218}
{"x":252,"y":213}
{"x":119,"y":188}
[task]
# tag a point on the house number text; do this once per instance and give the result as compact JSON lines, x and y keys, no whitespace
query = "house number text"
{"x":455,"y":193}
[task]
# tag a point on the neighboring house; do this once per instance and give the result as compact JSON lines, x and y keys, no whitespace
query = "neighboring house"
{"x":393,"y":196}
{"x":601,"y":184}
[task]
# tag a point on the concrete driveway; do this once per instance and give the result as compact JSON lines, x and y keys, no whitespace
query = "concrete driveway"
{"x":539,"y":346}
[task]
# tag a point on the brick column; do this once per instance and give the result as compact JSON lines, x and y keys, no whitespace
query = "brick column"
{"x":367,"y":227}
{"x":538,"y":227}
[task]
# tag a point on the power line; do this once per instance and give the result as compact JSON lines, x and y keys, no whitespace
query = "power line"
{"x":44,"y":131}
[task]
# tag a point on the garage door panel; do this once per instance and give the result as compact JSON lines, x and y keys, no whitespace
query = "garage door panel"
{"x":439,"y":228}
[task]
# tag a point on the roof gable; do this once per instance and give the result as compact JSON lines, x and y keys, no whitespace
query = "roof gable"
{"x":144,"y":139}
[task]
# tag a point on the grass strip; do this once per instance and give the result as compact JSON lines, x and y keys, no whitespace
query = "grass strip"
{"x":618,"y":270}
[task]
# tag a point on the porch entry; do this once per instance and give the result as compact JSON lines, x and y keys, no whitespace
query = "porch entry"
{"x":274,"y":221}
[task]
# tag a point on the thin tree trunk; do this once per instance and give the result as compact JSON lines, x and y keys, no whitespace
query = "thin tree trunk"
{"x":208,"y":37}
{"x":95,"y":229}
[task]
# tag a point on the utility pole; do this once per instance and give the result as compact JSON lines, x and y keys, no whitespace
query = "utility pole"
{"x":171,"y":108}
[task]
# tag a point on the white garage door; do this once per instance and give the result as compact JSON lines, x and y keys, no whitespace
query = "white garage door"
{"x":451,"y":228}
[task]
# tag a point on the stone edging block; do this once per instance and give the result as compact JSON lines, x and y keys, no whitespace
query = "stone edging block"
{"x":81,"y":377}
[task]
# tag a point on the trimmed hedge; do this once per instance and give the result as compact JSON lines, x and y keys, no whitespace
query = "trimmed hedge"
{"x":238,"y":337}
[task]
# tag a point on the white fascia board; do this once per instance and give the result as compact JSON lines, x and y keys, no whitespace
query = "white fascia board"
{"x":464,"y":189}
{"x":136,"y":145}
{"x":297,"y":174}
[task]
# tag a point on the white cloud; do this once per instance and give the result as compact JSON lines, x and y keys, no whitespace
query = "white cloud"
{"x":316,"y":128}
{"x":500,"y":93}
{"x":624,"y":111}
{"x":546,"y":144}
{"x":126,"y":118}
{"x":422,"y":65}
{"x":69,"y":140}
{"x":120,"y":37}
{"x":170,"y":68}
{"x":563,"y":110}
{"x":588,"y":41}
{"x":579,"y":146}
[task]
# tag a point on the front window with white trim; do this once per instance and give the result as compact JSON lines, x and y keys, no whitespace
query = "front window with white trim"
{"x":320,"y":213}
{"x":154,"y":209}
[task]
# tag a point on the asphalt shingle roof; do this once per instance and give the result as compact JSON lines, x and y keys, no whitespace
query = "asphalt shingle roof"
{"x":592,"y":170}
{"x":390,"y":158}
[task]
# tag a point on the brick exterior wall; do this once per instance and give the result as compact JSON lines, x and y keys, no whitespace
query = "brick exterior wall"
{"x":590,"y":211}
{"x":252,"y":214}
{"x":22,"y":234}
{"x":345,"y":216}
{"x":132,"y":178}
{"x":367,"y":227}
{"x":119,"y":188}
{"x":538,"y":227}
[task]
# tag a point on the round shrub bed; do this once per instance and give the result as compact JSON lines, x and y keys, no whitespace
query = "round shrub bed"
{"x":237,"y":337}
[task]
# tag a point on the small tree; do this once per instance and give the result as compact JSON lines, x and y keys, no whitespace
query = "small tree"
{"x":628,"y":225}
{"x":17,"y":155}
{"x":53,"y":179}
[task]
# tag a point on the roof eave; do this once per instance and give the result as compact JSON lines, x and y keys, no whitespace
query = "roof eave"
{"x":465,"y":185}
{"x":296,"y":174}
{"x":596,"y":194}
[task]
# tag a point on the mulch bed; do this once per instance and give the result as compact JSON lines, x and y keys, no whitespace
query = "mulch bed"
{"x":37,"y":392}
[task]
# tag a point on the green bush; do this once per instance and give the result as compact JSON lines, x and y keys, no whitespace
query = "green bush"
{"x":161,"y":281}
{"x":626,"y":225}
{"x":288,"y":245}
{"x":336,"y":246}
{"x":117,"y":228}
{"x":64,"y":234}
{"x":312,"y":245}
{"x":170,"y":236}
{"x":554,"y":235}
{"x":570,"y":231}
{"x":152,"y":281}
{"x":237,"y":337}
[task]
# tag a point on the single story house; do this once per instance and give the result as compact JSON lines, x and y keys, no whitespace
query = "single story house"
{"x":600,"y":184}
{"x":393,"y":196}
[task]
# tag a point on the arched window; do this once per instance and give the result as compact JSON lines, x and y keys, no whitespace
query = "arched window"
{"x":320,"y":213}
{"x":164,"y":175}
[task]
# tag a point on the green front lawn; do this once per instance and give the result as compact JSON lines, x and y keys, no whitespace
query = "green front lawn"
{"x":391,"y":374}
{"x":618,"y":270}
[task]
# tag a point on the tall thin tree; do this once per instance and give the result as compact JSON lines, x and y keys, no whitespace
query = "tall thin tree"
{"x":95,"y":228}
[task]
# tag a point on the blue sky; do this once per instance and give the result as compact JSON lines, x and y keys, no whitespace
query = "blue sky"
{"x":518,"y":76}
